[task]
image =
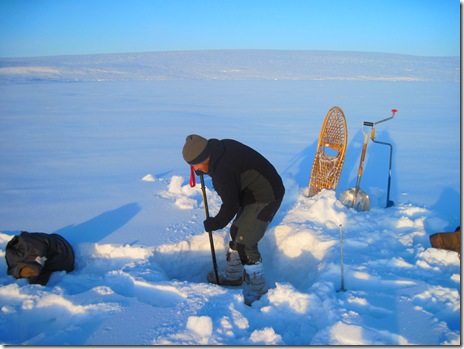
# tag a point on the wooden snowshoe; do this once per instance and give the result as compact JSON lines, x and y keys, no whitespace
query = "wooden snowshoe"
{"x":330,"y":153}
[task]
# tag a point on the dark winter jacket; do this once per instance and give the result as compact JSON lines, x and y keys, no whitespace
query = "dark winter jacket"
{"x":42,"y":253}
{"x":242,"y":176}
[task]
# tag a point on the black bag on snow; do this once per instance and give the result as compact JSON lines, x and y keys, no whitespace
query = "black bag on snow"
{"x":36,"y":256}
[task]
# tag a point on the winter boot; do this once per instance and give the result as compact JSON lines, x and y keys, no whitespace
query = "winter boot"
{"x":232,"y":276}
{"x":254,"y":283}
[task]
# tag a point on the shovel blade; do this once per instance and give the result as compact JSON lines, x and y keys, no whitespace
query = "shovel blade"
{"x":355,"y":198}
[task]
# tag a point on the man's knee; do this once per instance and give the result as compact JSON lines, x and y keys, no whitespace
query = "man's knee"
{"x":240,"y":248}
{"x":269,"y":211}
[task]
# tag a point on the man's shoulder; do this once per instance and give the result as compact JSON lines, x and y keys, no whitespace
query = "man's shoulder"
{"x":234,"y":144}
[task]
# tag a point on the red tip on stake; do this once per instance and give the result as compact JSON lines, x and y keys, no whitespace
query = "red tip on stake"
{"x":394,"y":111}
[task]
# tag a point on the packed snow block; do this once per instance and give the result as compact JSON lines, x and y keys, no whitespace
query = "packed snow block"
{"x":448,"y":240}
{"x":36,"y":256}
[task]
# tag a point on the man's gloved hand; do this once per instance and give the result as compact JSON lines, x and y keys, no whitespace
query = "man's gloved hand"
{"x":210,"y":224}
{"x":27,"y":272}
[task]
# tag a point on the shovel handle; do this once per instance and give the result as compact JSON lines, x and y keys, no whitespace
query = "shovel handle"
{"x":363,"y":155}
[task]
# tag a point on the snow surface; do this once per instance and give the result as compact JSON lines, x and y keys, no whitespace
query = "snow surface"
{"x":100,"y":163}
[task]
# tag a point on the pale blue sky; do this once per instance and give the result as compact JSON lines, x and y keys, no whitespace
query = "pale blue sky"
{"x":66,"y":27}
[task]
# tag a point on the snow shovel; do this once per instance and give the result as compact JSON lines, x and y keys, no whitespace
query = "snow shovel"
{"x":355,"y":197}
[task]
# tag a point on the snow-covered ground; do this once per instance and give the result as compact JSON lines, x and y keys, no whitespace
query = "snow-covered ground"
{"x":100,"y":163}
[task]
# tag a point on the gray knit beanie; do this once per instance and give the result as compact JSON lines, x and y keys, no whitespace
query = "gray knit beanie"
{"x":196,"y":149}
